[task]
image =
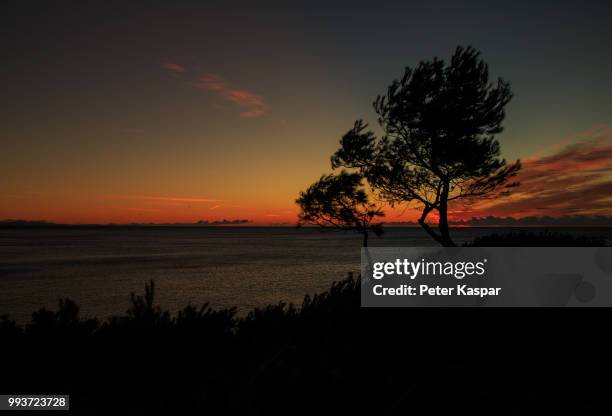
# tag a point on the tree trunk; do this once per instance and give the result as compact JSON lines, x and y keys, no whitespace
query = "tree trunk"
{"x":368,"y":265}
{"x":430,"y":231}
{"x":426,"y":227}
{"x":445,"y":238}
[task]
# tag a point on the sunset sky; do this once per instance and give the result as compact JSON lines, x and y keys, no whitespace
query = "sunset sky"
{"x":117,"y":111}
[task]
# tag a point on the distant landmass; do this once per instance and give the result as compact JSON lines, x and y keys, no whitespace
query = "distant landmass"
{"x":201,"y":223}
{"x":25,"y":223}
{"x":490,"y":221}
{"x":223,"y":222}
{"x":544,"y":221}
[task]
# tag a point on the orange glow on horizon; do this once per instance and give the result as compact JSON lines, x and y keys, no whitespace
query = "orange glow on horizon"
{"x":576,"y":179}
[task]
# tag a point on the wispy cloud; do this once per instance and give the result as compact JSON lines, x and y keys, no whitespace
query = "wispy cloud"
{"x":176,"y":68}
{"x":252,"y":105}
{"x":575,"y":180}
{"x":214,"y":207}
{"x":178,"y":199}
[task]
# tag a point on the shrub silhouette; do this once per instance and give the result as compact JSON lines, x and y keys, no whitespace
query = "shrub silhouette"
{"x":9,"y":330}
{"x":65,"y":322}
{"x":327,"y":354}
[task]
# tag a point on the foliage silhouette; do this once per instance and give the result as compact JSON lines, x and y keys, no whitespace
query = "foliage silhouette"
{"x":439,"y":145}
{"x":339,"y":202}
{"x":308,"y":358}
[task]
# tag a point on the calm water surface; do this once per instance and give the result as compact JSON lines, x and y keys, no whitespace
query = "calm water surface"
{"x":244,"y":267}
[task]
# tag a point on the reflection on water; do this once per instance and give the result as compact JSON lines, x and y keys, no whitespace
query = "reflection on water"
{"x":243,"y":267}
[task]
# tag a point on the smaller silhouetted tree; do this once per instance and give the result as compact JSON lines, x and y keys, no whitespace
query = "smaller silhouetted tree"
{"x":340,"y":202}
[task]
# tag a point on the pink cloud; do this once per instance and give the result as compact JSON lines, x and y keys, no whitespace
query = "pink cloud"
{"x":212,"y":82}
{"x":252,"y":105}
{"x":179,"y":69}
{"x":575,"y":180}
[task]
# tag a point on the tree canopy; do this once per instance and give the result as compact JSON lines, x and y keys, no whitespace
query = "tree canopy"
{"x":439,"y":122}
{"x":340,"y":202}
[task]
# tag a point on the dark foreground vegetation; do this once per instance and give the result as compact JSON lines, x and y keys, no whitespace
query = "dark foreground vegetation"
{"x":326,"y":356}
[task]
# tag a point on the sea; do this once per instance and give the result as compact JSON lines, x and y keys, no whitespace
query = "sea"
{"x":242,"y":267}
